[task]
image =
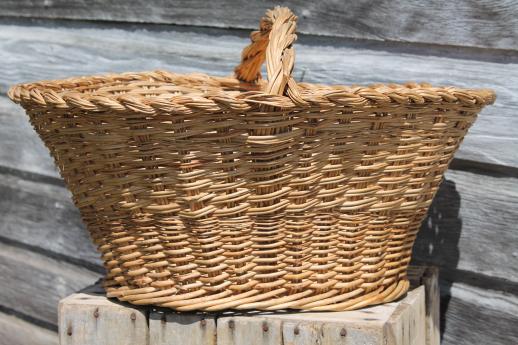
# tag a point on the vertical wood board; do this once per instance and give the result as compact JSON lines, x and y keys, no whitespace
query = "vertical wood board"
{"x":89,"y":319}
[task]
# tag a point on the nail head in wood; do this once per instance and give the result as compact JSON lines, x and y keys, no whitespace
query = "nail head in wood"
{"x":296,"y":331}
{"x":203,"y":323}
{"x":265,"y":327}
{"x":231,"y":324}
{"x":133,"y":317}
{"x":69,"y":330}
{"x":343,"y":332}
{"x":96,"y":313}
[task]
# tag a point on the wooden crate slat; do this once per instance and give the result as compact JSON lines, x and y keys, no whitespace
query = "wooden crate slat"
{"x":92,"y":319}
{"x":192,"y":329}
{"x":249,"y":330}
{"x":430,"y":280}
{"x":407,"y":325}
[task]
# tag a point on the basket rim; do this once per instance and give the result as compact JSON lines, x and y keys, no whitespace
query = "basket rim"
{"x":214,"y":94}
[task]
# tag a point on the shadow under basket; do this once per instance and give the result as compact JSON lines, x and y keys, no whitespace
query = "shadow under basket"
{"x":209,"y":193}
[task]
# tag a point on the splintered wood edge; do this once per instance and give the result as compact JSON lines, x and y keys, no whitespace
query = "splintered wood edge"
{"x":430,"y":281}
{"x":407,"y":324}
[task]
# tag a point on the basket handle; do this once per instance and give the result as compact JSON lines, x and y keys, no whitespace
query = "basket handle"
{"x":273,"y":43}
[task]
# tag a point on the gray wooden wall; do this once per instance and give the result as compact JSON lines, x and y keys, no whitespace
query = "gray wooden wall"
{"x":471,"y":231}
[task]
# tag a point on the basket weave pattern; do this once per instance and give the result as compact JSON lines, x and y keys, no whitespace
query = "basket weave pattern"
{"x":208,"y":193}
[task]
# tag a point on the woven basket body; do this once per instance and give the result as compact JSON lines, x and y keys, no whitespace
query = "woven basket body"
{"x":206,"y":193}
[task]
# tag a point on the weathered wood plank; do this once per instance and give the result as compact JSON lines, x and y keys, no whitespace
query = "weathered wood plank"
{"x":193,"y":329}
{"x":478,"y":316}
{"x":407,"y":325}
{"x":308,"y":332}
{"x":430,"y":280}
{"x":249,"y":330}
{"x":33,"y":52}
{"x":21,"y":148}
{"x":32,"y":284}
{"x":88,"y":318}
{"x":14,"y":331}
{"x":43,"y":215}
{"x":470,"y":225}
{"x":487,"y":23}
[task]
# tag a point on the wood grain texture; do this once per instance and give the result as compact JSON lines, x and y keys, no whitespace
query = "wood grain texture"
{"x":470,"y":225}
{"x":407,"y":325}
{"x":88,"y":318}
{"x":192,"y":329}
{"x":486,"y":23}
{"x":34,"y":52}
{"x":32,"y":284}
{"x":430,"y":281}
{"x":478,"y":316}
{"x":308,"y":332}
{"x":21,"y":148}
{"x":14,"y":331}
{"x":42,"y":215}
{"x":249,"y":330}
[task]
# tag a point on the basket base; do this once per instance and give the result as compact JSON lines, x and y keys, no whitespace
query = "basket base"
{"x":331,"y":300}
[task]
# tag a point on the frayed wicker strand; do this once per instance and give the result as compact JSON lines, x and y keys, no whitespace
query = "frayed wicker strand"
{"x":207,"y":193}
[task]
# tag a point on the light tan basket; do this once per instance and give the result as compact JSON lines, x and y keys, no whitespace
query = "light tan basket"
{"x":207,"y":193}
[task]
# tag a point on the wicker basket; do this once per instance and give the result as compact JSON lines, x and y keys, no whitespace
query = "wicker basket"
{"x":208,"y":193}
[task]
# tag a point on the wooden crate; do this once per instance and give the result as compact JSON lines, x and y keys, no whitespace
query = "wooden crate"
{"x":89,"y":318}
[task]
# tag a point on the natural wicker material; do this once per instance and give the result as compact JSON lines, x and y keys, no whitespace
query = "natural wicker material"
{"x":207,"y":193}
